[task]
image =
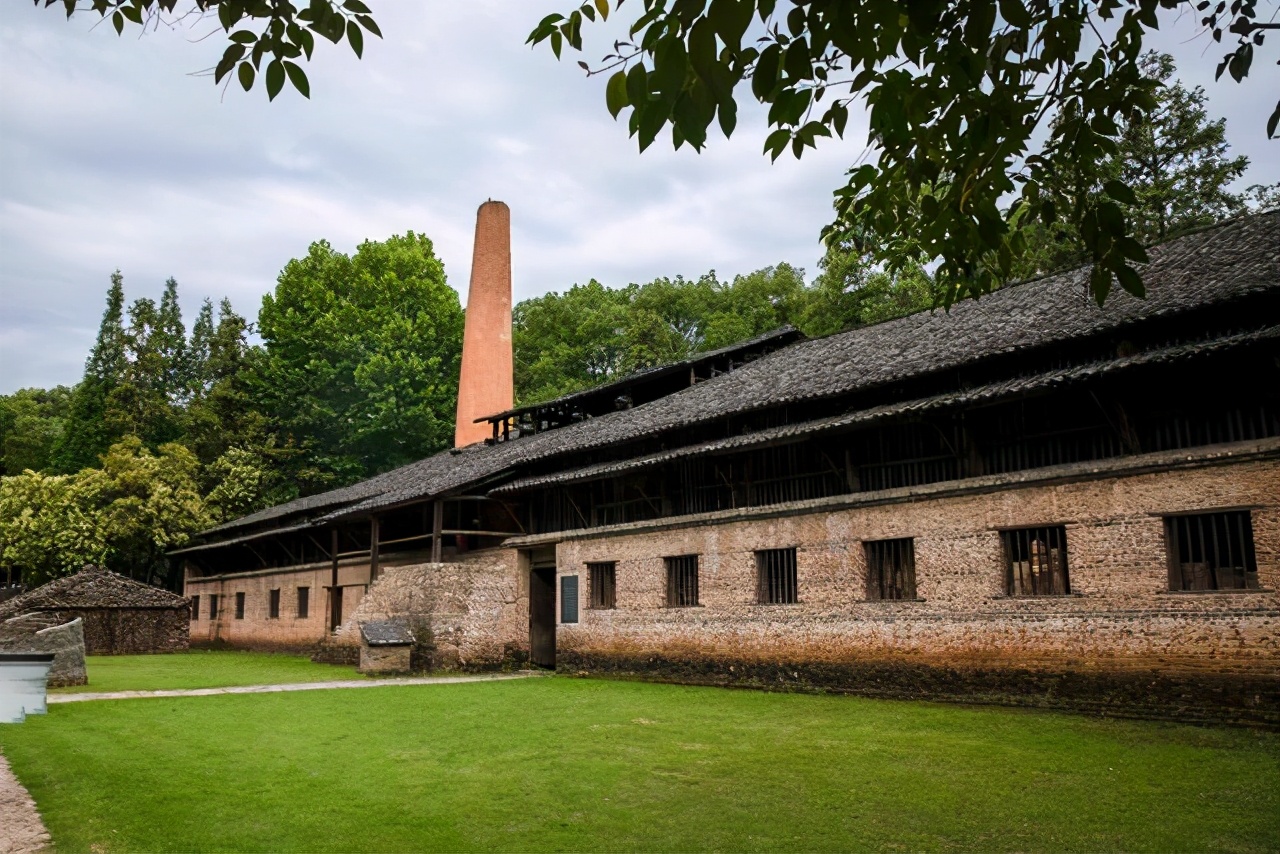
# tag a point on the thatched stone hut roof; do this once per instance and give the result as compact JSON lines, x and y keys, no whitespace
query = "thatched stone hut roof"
{"x":92,"y":587}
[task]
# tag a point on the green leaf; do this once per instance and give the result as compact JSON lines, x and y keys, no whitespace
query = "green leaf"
{"x":275,"y":79}
{"x":637,"y":84}
{"x":356,"y":6}
{"x":615,"y":93}
{"x":117,"y":21}
{"x":776,"y":142}
{"x":1015,"y":13}
{"x":355,"y":38}
{"x":243,"y":37}
{"x":1120,"y":191}
{"x":369,"y":24}
{"x":731,"y":19}
{"x":297,"y":77}
{"x":246,"y":74}
{"x":1131,"y":281}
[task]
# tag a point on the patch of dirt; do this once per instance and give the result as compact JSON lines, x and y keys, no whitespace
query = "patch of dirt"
{"x":22,"y":831}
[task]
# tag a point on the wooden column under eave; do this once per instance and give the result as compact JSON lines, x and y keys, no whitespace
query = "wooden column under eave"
{"x":437,"y":525}
{"x":373,"y":549}
{"x":335,"y":600}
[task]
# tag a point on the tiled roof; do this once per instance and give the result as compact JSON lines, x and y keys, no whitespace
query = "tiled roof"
{"x":1221,"y":264}
{"x":92,"y":587}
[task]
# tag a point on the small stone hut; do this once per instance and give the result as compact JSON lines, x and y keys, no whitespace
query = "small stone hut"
{"x":121,"y":616}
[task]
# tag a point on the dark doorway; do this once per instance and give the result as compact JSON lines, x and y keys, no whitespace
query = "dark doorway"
{"x":542,"y":616}
{"x":335,"y":612}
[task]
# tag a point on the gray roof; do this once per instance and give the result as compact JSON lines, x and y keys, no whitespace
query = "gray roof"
{"x":1226,"y":262}
{"x":92,"y":587}
{"x":386,"y":633}
{"x":990,"y":392}
{"x":781,"y":336}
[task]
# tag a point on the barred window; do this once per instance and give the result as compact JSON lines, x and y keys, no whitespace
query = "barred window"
{"x":891,"y":569}
{"x":304,"y":602}
{"x":239,"y":606}
{"x":213,"y":606}
{"x":604,"y":585}
{"x":1036,"y":562}
{"x":1211,"y":551}
{"x":776,"y":577}
{"x":682,"y":581}
{"x":273,"y":604}
{"x":195,"y":607}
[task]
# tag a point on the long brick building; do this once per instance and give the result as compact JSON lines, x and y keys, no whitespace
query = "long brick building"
{"x":1027,"y":498}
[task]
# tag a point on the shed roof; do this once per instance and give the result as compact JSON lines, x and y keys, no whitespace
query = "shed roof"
{"x":386,"y":633}
{"x":92,"y":587}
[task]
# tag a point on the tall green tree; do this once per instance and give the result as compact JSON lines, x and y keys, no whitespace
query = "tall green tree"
{"x":361,"y":357}
{"x":1175,"y":159}
{"x":86,"y":434}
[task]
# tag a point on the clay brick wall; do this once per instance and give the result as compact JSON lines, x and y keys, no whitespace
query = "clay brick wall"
{"x":475,"y":611}
{"x":257,"y":630}
{"x":1120,"y":618}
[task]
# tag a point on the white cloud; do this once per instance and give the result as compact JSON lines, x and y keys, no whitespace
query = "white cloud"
{"x":111,"y":155}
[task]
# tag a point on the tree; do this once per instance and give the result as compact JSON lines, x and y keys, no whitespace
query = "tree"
{"x":970,"y":101}
{"x":50,"y":524}
{"x":149,"y":504}
{"x":86,"y":434}
{"x":1176,"y":161}
{"x":31,"y":423}
{"x":361,"y":359}
{"x":851,"y":291}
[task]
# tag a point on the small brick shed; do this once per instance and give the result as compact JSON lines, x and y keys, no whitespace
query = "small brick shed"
{"x":121,"y":616}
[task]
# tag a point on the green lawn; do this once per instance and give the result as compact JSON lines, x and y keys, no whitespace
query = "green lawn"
{"x":568,"y":764}
{"x":202,"y":669}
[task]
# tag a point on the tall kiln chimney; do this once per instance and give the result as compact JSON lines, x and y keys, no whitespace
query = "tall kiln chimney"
{"x":487,"y":385}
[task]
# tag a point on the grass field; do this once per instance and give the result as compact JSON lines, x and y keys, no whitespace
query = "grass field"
{"x":569,"y":764}
{"x":202,"y":669}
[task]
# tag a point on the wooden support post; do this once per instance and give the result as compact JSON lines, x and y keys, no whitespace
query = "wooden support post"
{"x":373,"y":549}
{"x":437,"y":525}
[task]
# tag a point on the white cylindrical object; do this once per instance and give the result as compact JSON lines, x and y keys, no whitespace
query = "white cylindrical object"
{"x":24,"y":680}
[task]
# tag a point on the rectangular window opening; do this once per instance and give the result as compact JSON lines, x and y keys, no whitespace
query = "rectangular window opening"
{"x":1036,"y":562}
{"x":304,"y":602}
{"x":195,"y":607}
{"x":568,"y":598}
{"x":273,"y":604}
{"x":239,"y":606}
{"x":603,"y":579}
{"x":213,"y":606}
{"x":776,"y":577}
{"x":891,"y":569}
{"x":1211,"y":551}
{"x":682,"y":581}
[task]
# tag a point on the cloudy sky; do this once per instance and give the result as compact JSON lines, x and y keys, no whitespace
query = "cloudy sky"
{"x":113,"y":156}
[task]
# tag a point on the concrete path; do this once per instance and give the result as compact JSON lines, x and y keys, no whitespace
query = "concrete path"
{"x":21,"y":830}
{"x":297,"y":686}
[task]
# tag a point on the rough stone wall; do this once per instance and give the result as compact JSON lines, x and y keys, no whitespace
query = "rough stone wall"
{"x":1121,"y":625}
{"x":470,"y":614}
{"x":257,"y":629}
{"x":385,"y":659}
{"x":132,"y":631}
{"x":44,"y":633}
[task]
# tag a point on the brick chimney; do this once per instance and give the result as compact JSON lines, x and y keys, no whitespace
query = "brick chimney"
{"x":487,"y":383}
